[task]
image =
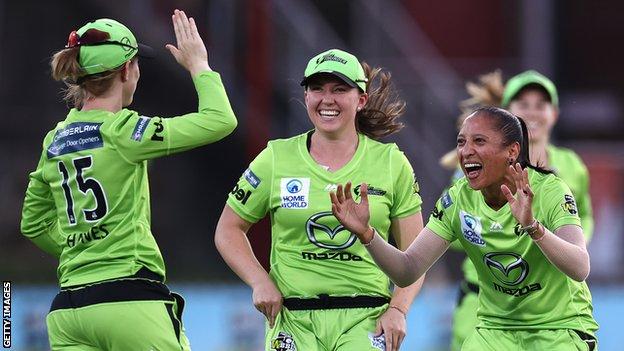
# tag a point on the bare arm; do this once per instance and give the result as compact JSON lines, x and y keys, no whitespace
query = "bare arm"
{"x":565,"y":249}
{"x":403,"y":268}
{"x":232,"y":243}
{"x":393,"y":322}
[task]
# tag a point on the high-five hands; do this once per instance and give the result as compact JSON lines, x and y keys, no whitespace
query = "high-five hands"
{"x":352,"y":215}
{"x":520,"y":204}
{"x":190,"y":51}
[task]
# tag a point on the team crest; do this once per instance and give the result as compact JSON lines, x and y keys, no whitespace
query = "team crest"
{"x":378,"y":342}
{"x":471,"y":228}
{"x":283,"y":342}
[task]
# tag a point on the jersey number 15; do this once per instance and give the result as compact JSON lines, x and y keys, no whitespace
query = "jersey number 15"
{"x":84,"y":185}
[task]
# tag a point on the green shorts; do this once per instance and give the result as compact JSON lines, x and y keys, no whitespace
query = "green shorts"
{"x":521,"y":340}
{"x":117,"y":316}
{"x":465,"y":314}
{"x":342,"y":329}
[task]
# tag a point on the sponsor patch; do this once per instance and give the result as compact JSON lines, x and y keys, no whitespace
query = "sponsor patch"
{"x":75,"y":137}
{"x":295,"y":193}
{"x":140,"y":128}
{"x":378,"y":342}
{"x":436,"y":213}
{"x":283,"y":342}
{"x":251,"y":178}
{"x":569,"y":205}
{"x":415,"y":186}
{"x":496,"y":227}
{"x":371,"y":191}
{"x":446,"y":200}
{"x":471,"y":228}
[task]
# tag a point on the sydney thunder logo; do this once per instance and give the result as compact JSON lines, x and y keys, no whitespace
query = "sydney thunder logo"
{"x":330,"y":57}
{"x":324,"y":231}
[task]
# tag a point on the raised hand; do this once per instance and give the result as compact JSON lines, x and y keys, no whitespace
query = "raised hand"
{"x":190,"y":51}
{"x":268,"y":300}
{"x":352,"y":215}
{"x":520,"y":204}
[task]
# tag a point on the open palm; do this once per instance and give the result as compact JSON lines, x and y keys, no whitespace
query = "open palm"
{"x":520,"y":204}
{"x":349,"y":213}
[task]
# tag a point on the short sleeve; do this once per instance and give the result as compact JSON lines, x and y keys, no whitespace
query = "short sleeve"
{"x":251,"y":194}
{"x":558,"y":204}
{"x":406,"y":200}
{"x":440,"y":220}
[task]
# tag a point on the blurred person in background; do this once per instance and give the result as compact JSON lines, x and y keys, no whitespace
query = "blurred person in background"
{"x":533,"y":97}
{"x":323,"y":291}
{"x":87,"y":202}
{"x":518,"y":224}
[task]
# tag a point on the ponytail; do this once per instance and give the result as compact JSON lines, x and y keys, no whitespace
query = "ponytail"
{"x":379,"y":116}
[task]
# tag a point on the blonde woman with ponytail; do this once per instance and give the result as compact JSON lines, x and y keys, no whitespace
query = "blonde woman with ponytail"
{"x":87,"y":202}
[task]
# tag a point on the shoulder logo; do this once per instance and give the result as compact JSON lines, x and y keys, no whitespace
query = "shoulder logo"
{"x":569,"y":205}
{"x":295,"y":192}
{"x":471,"y":228}
{"x":251,"y":178}
{"x":446,"y":200}
{"x":139,"y":128}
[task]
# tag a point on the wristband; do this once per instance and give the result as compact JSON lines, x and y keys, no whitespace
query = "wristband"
{"x":372,"y":238}
{"x":399,"y":309}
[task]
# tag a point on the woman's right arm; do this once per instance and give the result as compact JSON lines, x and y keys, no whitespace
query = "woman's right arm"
{"x":140,"y":138}
{"x":403,"y":268}
{"x":232,"y":243}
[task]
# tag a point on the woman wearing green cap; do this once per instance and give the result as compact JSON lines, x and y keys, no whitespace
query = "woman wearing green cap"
{"x":533,"y":97}
{"x":518,"y":224}
{"x":87,"y":202}
{"x":323,"y":291}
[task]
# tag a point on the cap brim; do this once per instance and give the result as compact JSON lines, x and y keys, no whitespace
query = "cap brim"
{"x":146,"y":51}
{"x":342,"y":77}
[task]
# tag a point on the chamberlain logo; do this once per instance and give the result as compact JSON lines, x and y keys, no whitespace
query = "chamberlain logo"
{"x":324,"y":231}
{"x":510,"y":269}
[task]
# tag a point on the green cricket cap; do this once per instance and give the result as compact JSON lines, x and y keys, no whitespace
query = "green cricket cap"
{"x":517,"y":83}
{"x":105,"y":44}
{"x":339,"y":63}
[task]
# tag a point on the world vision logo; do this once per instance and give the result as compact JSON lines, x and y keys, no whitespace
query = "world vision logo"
{"x":330,"y":57}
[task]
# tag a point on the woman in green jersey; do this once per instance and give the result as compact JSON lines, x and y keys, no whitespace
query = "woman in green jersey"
{"x":87,"y":202}
{"x":533,"y":97}
{"x":519,"y":226}
{"x":323,"y":291}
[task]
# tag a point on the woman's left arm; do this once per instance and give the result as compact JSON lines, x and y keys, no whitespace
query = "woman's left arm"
{"x":393,"y":322}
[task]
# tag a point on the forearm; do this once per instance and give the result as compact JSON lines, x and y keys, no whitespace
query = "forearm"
{"x":402,"y":298}
{"x":214,"y":104}
{"x":570,"y":258}
{"x":236,"y":250}
{"x":404,"y":268}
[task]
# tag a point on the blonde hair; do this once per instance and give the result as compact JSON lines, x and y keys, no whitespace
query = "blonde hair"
{"x":487,"y":91}
{"x":379,"y":116}
{"x":65,"y":68}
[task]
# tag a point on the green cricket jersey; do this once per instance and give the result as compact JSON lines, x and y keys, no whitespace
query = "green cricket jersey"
{"x":519,"y":287}
{"x":311,"y":253}
{"x":88,"y":200}
{"x":569,"y":167}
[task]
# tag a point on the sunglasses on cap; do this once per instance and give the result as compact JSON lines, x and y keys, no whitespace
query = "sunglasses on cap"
{"x":93,"y":37}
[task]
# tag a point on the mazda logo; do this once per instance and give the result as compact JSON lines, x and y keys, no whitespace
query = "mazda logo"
{"x":508,"y":267}
{"x":322,"y":232}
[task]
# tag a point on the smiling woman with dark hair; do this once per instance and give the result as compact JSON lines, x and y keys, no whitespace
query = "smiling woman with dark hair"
{"x":519,"y":226}
{"x":319,"y":272}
